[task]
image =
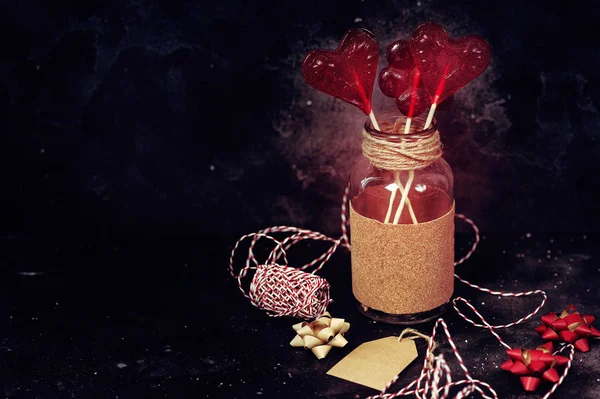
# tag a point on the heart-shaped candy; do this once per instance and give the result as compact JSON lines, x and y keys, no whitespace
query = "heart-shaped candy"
{"x":347,"y":72}
{"x":439,"y":57}
{"x":398,"y":78}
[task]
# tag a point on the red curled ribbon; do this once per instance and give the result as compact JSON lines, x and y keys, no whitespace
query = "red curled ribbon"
{"x":533,"y":365}
{"x":569,"y":326}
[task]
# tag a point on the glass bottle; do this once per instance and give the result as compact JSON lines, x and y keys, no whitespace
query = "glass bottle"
{"x":402,"y":255}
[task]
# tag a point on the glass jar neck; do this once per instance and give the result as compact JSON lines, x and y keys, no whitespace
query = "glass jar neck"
{"x":392,"y":127}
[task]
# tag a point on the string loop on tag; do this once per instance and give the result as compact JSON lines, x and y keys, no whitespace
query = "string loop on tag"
{"x":416,"y":334}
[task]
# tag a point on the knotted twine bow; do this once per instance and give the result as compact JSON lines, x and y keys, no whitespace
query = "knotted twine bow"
{"x":570,"y":326}
{"x":321,"y":335}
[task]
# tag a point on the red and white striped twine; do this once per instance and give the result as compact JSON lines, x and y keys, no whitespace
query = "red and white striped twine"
{"x":565,"y":371}
{"x":487,"y":290}
{"x":278,"y":285}
{"x":437,"y":376}
{"x":282,"y":290}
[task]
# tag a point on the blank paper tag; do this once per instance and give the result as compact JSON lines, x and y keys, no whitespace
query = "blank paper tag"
{"x":375,"y":363}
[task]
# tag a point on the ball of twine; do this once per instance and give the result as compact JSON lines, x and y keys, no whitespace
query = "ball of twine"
{"x":282,"y":290}
{"x":286,"y":291}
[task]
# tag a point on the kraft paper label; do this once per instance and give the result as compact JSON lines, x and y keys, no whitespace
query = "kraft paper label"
{"x":375,"y":363}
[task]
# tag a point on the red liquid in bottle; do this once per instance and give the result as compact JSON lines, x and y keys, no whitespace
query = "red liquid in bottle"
{"x":428,"y":204}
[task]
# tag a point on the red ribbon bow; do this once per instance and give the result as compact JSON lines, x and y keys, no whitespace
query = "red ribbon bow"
{"x":533,"y":365}
{"x":570,"y":326}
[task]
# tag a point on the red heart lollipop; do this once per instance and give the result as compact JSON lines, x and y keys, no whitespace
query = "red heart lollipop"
{"x":439,"y":58}
{"x":347,"y":72}
{"x":397,"y":80}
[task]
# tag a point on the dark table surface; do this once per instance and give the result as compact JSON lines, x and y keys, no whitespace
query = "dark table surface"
{"x":148,"y":318}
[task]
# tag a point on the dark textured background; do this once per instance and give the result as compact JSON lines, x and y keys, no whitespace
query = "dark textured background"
{"x":134,"y":129}
{"x":175,"y":118}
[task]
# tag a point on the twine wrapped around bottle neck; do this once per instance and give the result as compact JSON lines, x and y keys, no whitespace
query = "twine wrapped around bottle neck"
{"x":416,"y":150}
